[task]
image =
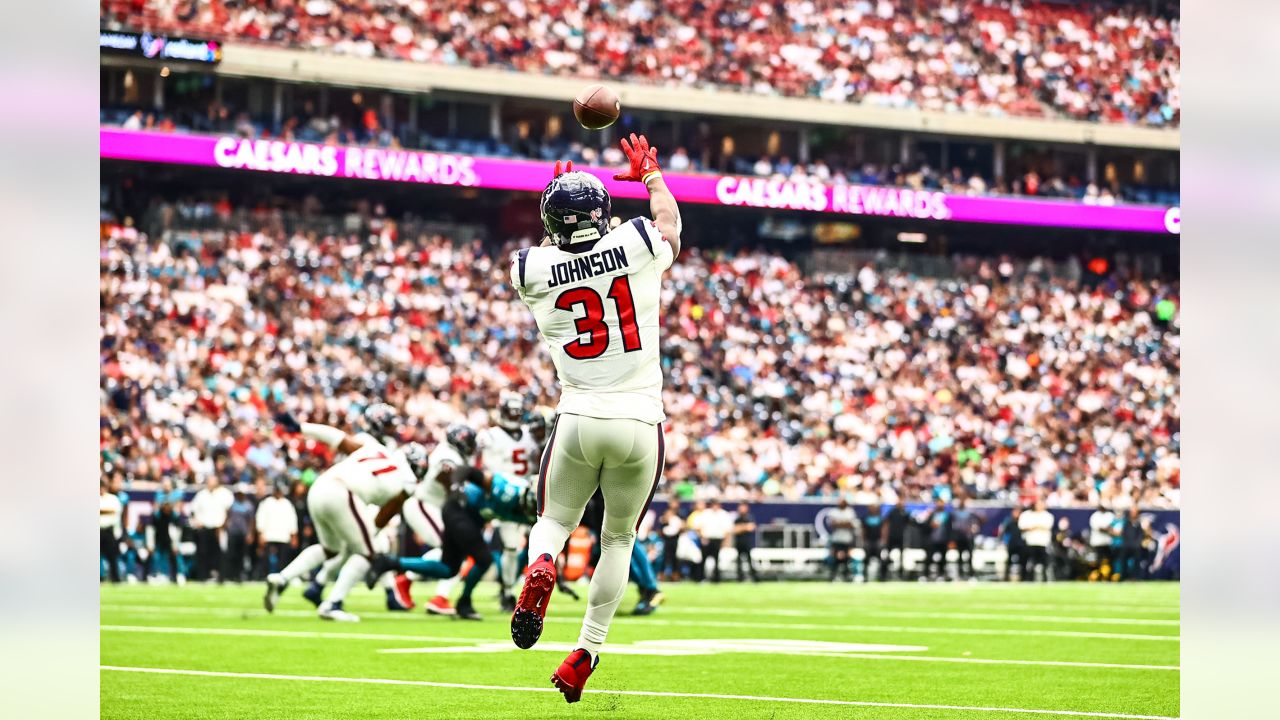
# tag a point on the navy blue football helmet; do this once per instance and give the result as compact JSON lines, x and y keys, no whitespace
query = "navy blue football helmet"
{"x":575,"y":208}
{"x":462,"y":438}
{"x":381,"y":421}
{"x":417,"y":456}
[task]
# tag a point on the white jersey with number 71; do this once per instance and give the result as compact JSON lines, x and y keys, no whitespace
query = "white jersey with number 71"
{"x":374,"y":473}
{"x":598,"y":312}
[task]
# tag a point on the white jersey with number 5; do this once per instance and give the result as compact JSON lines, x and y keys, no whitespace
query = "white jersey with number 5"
{"x":598,"y":312}
{"x":515,"y":456}
{"x":374,"y":473}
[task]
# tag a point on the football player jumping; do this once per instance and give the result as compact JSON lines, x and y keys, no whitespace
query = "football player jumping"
{"x":595,"y":295}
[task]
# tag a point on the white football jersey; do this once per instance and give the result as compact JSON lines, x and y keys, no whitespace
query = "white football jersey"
{"x":431,"y":492}
{"x":598,"y":312}
{"x":375,"y":473}
{"x":517,"y":456}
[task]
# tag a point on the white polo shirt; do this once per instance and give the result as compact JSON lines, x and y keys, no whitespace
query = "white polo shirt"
{"x":209,"y":507}
{"x":1037,"y":527}
{"x":716,"y":524}
{"x":276,"y":520}
{"x":111,"y":518}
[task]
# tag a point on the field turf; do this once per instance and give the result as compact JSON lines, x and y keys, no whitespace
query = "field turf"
{"x":952,"y":651}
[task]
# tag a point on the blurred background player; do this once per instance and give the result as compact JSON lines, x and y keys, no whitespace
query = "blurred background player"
{"x":541,"y":419}
{"x":370,"y":475}
{"x":642,"y":571}
{"x":475,"y":497}
{"x":424,"y":513}
{"x":595,"y":296}
{"x":380,"y":422}
{"x":508,"y":448}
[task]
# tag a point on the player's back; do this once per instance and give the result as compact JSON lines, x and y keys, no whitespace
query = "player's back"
{"x":598,"y":310}
{"x":374,"y":473}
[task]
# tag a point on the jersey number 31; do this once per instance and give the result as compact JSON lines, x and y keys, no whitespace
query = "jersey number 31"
{"x":592,"y":323}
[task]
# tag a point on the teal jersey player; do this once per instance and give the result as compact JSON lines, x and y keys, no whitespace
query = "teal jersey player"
{"x":507,"y":498}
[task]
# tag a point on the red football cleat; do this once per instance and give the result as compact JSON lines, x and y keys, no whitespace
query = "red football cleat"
{"x":531,"y":608}
{"x":440,"y":605}
{"x":401,"y":587}
{"x":572,"y":674}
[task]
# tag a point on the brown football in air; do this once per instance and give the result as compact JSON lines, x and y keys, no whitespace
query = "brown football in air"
{"x":597,"y":107}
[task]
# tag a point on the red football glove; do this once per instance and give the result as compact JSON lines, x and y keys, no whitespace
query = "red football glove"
{"x":568,"y":167}
{"x":644,"y":160}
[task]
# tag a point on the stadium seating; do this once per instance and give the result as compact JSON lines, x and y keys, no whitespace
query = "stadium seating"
{"x":1007,"y":377}
{"x":1107,"y":62}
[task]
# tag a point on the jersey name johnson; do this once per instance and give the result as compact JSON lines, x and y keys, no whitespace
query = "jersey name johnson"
{"x":598,"y":312}
{"x":587,"y":266}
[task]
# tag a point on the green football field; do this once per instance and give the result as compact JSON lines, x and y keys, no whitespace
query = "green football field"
{"x":772,"y":650}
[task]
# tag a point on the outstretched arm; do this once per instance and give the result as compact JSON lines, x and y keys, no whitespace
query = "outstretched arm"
{"x":332,"y":436}
{"x":325,"y":434}
{"x":666,"y":213}
{"x":644,"y":168}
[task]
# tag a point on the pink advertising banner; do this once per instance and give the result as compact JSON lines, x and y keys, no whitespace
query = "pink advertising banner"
{"x":431,"y":168}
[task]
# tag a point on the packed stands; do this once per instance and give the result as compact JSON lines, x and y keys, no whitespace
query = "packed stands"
{"x":1010,"y":378}
{"x":1098,"y":61}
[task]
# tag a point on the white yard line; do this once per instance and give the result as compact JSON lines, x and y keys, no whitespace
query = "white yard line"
{"x":1089,"y":606}
{"x":897,"y":629}
{"x":988,"y":661}
{"x":296,"y":634}
{"x":575,"y":618}
{"x":860,"y":608}
{"x":308,"y":635}
{"x":1024,"y":618}
{"x":642,"y":693}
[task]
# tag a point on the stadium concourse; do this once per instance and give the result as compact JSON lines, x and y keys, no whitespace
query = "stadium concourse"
{"x":1104,"y":61}
{"x":1006,"y":379}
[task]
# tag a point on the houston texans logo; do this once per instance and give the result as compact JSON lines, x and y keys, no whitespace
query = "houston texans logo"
{"x":152,"y":45}
{"x":1166,"y":545}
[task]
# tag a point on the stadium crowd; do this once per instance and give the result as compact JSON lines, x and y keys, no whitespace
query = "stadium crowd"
{"x":1109,"y":62}
{"x":1008,"y":379}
